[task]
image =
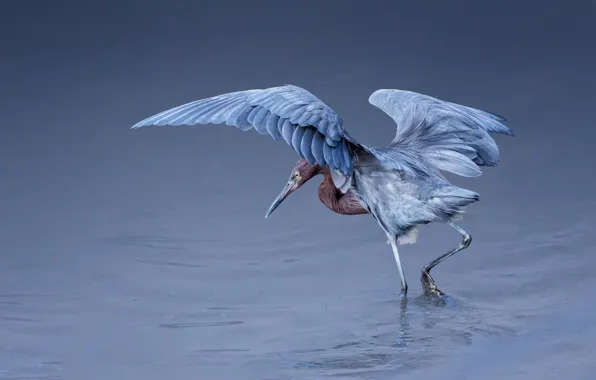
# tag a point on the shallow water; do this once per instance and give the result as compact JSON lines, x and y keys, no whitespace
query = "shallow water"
{"x":159,"y":301}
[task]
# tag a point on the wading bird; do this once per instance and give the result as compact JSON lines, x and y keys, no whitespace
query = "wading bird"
{"x":402,"y":185}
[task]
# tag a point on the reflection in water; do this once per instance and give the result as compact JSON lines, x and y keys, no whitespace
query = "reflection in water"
{"x":417,"y":334}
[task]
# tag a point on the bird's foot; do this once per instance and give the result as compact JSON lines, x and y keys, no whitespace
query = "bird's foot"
{"x":431,"y":291}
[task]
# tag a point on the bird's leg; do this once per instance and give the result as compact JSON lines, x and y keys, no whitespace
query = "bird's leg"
{"x":404,"y":284}
{"x":428,"y":283}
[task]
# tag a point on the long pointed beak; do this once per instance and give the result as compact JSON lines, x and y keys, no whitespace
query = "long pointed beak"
{"x":287,"y":190}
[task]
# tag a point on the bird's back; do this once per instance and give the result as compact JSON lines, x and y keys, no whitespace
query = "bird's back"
{"x":399,"y":200}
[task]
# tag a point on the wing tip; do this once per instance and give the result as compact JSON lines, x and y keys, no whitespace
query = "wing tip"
{"x":500,"y":119}
{"x":144,"y":123}
{"x":496,"y":116}
{"x":375,"y":95}
{"x":503,"y":130}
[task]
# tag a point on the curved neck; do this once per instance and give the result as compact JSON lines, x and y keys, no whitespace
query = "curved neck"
{"x":335,"y":200}
{"x":326,"y":172}
{"x":327,"y":179}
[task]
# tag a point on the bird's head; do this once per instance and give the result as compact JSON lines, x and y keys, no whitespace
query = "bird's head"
{"x":301,"y":173}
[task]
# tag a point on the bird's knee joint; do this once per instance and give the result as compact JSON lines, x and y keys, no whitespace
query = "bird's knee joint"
{"x":466,"y":241}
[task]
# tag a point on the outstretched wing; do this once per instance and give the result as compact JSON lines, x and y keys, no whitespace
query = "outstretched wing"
{"x":287,"y":113}
{"x":433,"y":134}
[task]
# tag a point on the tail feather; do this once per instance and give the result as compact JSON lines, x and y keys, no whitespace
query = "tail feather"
{"x":450,"y":201}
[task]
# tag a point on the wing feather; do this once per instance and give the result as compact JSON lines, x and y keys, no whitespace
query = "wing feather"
{"x":272,"y":123}
{"x":287,"y":131}
{"x":434,"y":135}
{"x":327,"y":153}
{"x":260,"y":120}
{"x":306,"y":143}
{"x":338,"y":157}
{"x":240,"y":119}
{"x":297,"y":140}
{"x":253,"y":113}
{"x":287,"y":113}
{"x":317,"y":148}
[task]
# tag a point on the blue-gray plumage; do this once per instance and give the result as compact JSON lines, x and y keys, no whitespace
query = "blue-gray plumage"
{"x":287,"y":113}
{"x":402,"y":185}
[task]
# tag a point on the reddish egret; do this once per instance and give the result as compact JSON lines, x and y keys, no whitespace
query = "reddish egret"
{"x":402,"y":185}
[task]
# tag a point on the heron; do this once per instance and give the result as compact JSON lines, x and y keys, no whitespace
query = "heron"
{"x":402,"y":186}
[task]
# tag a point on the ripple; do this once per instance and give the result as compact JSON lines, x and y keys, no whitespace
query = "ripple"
{"x":246,"y":308}
{"x":33,"y":378}
{"x":221,"y":350}
{"x":187,"y":325}
{"x":17,"y":319}
{"x":345,"y":345}
{"x":170,"y":263}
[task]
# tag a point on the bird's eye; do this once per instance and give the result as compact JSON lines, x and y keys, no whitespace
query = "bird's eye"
{"x":296,"y":175}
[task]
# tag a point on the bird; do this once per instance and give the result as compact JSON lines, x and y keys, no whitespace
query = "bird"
{"x":403,"y":185}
